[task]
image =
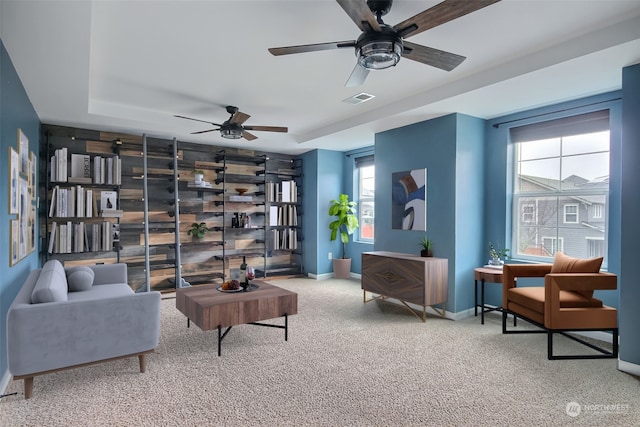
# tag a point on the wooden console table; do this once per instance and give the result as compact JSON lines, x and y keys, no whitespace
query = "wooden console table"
{"x":409,"y":278}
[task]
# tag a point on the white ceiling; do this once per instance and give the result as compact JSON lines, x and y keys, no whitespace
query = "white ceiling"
{"x":129,"y":66}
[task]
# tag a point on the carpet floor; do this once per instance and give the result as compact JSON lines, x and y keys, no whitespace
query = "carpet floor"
{"x":345,"y":364}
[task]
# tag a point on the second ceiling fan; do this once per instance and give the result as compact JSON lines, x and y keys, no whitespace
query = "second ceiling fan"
{"x":380,"y":46}
{"x":233,"y":128}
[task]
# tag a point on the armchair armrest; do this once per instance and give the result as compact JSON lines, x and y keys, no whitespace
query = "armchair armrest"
{"x":559,"y":318}
{"x":512,"y":271}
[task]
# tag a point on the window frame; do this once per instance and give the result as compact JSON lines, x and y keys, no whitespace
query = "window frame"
{"x":565,"y":214}
{"x":359,"y":164}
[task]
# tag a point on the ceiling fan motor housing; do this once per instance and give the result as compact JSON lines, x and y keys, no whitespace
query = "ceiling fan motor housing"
{"x":379,"y":50}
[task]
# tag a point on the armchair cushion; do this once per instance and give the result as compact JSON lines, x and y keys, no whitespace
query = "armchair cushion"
{"x":565,"y":264}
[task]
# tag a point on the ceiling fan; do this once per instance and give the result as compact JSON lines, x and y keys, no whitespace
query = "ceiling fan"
{"x":233,"y":128}
{"x":380,"y":46}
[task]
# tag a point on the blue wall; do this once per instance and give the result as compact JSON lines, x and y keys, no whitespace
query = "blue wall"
{"x":323,"y":181}
{"x":630,"y":213}
{"x":451,"y":149}
{"x":16,"y":112}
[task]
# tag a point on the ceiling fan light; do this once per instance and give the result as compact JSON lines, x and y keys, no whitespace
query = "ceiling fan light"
{"x":379,"y":55}
{"x":231,"y":133}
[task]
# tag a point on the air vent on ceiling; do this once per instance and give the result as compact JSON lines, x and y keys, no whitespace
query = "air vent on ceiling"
{"x":357,"y":99}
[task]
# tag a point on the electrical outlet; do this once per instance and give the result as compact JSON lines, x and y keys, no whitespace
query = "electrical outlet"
{"x":330,"y":256}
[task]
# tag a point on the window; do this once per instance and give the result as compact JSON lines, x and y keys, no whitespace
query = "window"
{"x":528,"y":212}
{"x":366,"y":197}
{"x":561,"y":187}
{"x":571,"y":214}
{"x":597,"y":211}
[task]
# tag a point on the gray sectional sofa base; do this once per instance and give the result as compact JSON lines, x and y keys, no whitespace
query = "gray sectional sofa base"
{"x":105,"y":322}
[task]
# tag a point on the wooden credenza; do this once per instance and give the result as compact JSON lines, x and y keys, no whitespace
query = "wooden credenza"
{"x":408,"y":278}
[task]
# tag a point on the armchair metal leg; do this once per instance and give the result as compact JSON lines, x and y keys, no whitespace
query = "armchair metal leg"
{"x":604,"y":353}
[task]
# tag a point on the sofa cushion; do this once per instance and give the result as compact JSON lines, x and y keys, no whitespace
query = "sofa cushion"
{"x":80,"y":278}
{"x":566,"y":264}
{"x":51,"y":285}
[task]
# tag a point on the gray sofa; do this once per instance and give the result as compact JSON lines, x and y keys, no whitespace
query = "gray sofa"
{"x":68,"y":317}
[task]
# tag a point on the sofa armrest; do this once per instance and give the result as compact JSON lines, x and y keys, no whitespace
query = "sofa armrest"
{"x":109,"y":273}
{"x":510,"y":272}
{"x":559,"y":318}
{"x":48,"y":336}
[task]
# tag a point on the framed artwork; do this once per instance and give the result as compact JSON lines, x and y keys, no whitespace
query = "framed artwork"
{"x":409,"y":200}
{"x":31,"y":229}
{"x":33,"y":166}
{"x":14,"y":176}
{"x":23,"y":144}
{"x":13,"y":243}
{"x":23,"y":218}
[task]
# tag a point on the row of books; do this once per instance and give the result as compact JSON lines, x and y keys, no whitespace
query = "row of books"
{"x":285,"y":191}
{"x":283,"y":215}
{"x":283,"y":239}
{"x":105,"y":170}
{"x":71,"y":237}
{"x":76,"y":201}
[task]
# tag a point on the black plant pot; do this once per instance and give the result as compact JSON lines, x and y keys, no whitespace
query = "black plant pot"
{"x":426,"y":253}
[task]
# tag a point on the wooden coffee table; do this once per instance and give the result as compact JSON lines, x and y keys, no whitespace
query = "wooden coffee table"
{"x":211,"y":309}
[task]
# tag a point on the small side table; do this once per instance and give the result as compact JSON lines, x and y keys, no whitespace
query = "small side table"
{"x":485,"y":274}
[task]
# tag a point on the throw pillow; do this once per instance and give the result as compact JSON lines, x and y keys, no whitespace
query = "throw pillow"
{"x":80,"y":279}
{"x":566,"y":264}
{"x":51,"y":285}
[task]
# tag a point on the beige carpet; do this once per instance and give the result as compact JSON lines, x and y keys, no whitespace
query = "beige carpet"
{"x":346,"y":364}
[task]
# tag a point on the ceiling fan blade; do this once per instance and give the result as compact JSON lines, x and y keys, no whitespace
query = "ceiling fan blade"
{"x":239,"y":118}
{"x":248,"y":136}
{"x":359,"y":12}
{"x":357,"y":77}
{"x":436,"y":58}
{"x":439,"y":14}
{"x":268,"y":128}
{"x":196,"y":120}
{"x":204,"y":131}
{"x":288,"y":50}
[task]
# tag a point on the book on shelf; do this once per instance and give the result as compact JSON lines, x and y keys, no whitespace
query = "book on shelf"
{"x":80,"y":166}
{"x":108,"y":201}
{"x":238,"y":198}
{"x":52,"y":236}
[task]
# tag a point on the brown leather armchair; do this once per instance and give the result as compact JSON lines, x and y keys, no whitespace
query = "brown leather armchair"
{"x":564,"y":304}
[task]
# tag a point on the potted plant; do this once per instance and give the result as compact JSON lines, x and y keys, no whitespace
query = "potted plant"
{"x":426,"y":245}
{"x":344,"y":224}
{"x":198,"y":230}
{"x":198,"y":175}
{"x":496,"y":254}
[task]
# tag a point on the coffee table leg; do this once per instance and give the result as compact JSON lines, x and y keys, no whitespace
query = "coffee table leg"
{"x":219,"y":340}
{"x":286,"y":327}
{"x":475,"y":300}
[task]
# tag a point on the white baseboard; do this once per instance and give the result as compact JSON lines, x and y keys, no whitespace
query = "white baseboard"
{"x":628,"y":367}
{"x":4,"y":382}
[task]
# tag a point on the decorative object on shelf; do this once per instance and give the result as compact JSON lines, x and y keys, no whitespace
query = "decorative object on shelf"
{"x":198,"y":230}
{"x":241,"y":191}
{"x":426,"y":245}
{"x":496,"y":254}
{"x":198,"y":175}
{"x":345,"y":224}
